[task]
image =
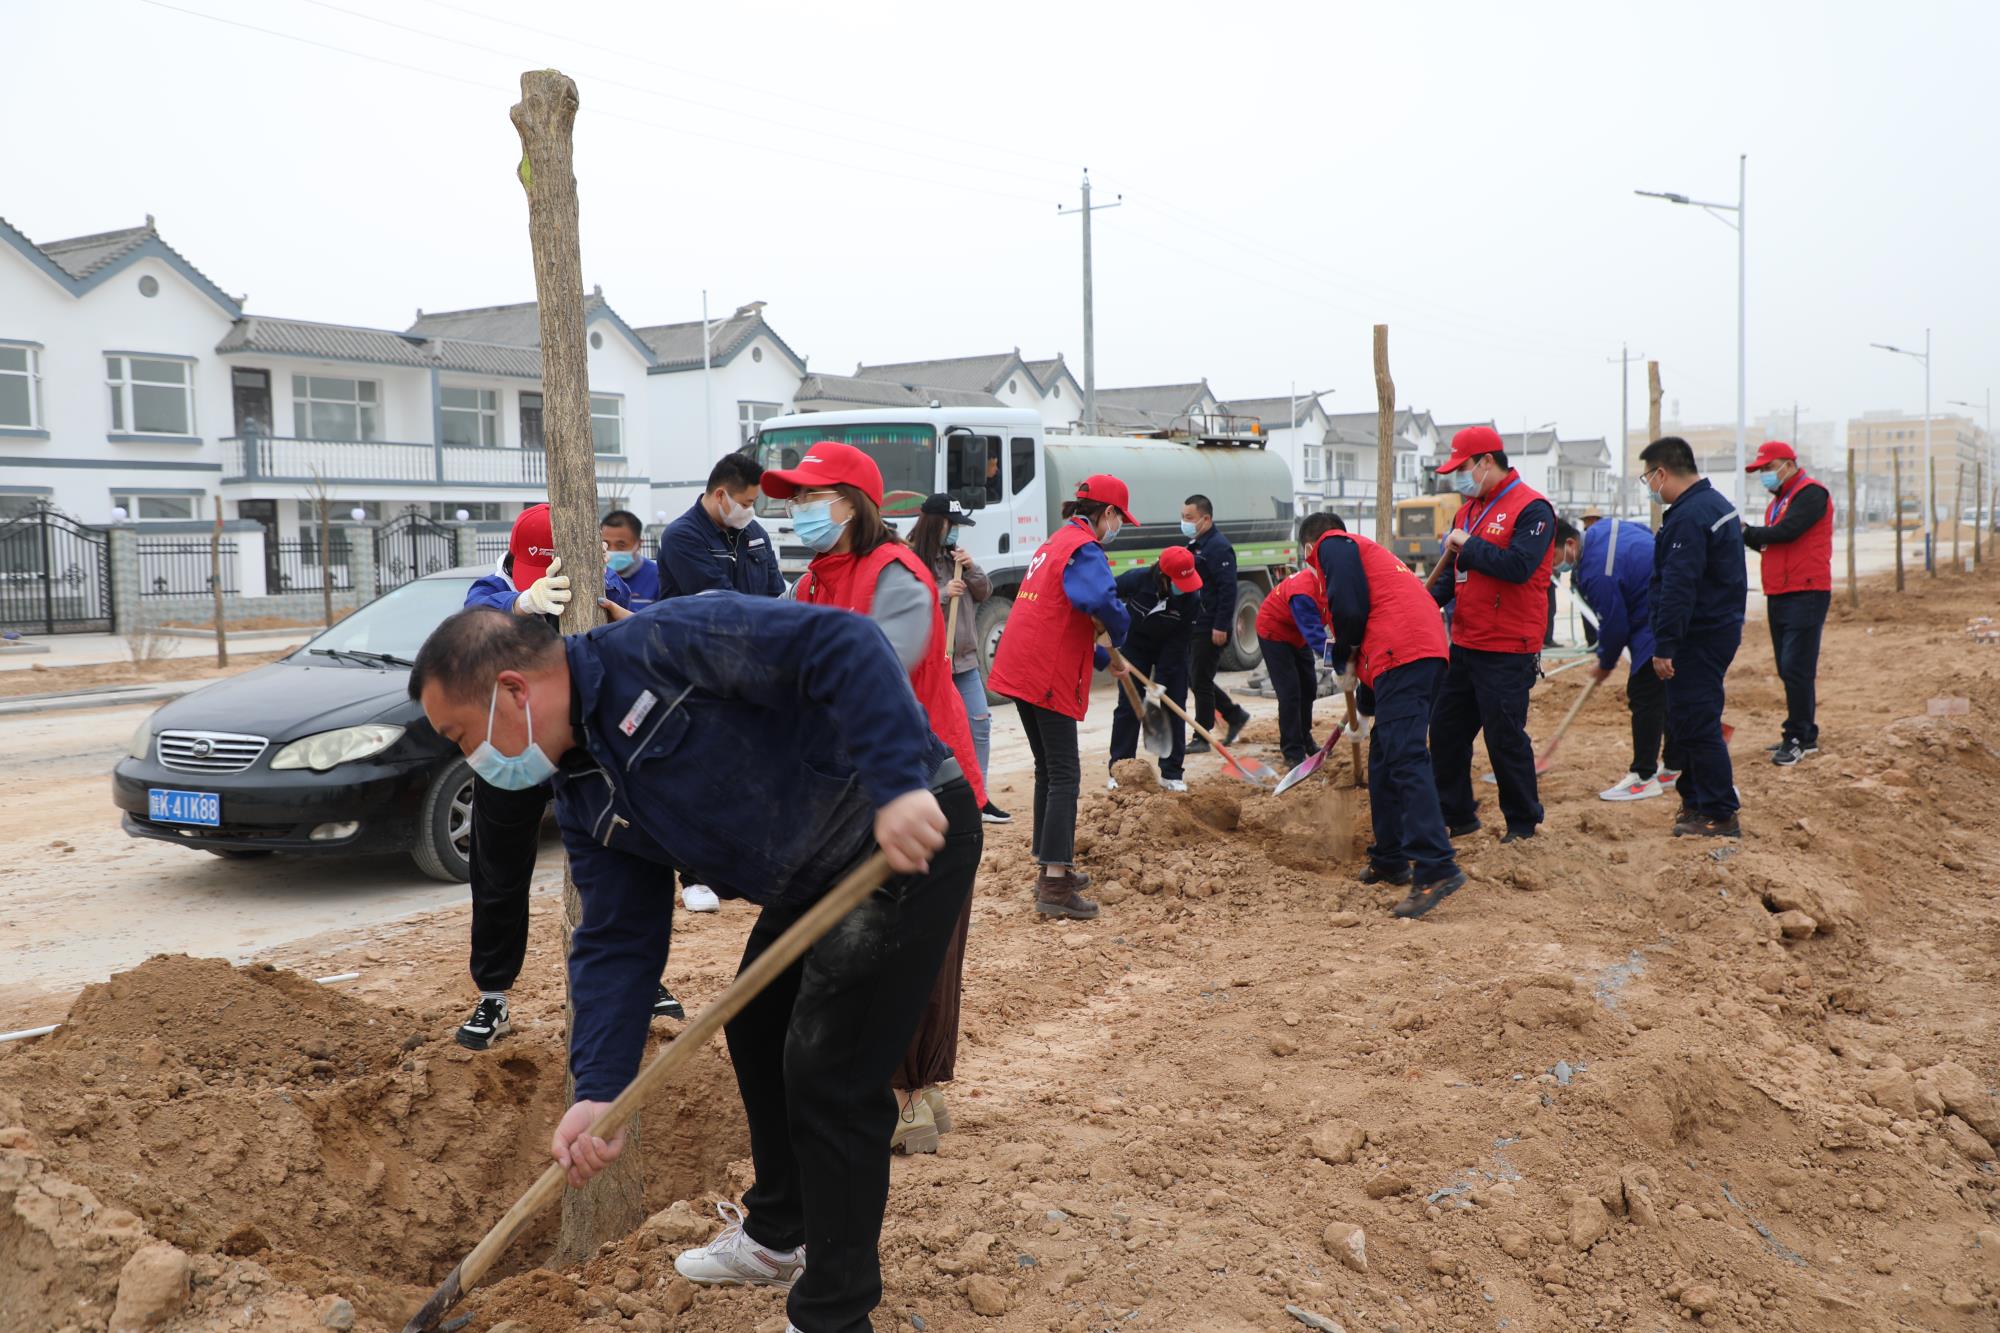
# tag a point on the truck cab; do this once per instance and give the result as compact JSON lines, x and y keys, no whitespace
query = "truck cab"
{"x":1002,"y":465}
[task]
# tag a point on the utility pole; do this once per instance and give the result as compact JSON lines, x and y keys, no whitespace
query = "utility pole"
{"x":1625,"y":360}
{"x":1089,"y":318}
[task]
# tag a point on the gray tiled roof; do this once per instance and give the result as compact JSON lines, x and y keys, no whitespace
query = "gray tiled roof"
{"x":1164,"y":401}
{"x":81,"y":256}
{"x":1539,"y":442}
{"x":1115,"y":416}
{"x":1586,"y":453}
{"x":346,"y":342}
{"x":517,"y":325}
{"x":678,"y":346}
{"x":881,"y":393}
{"x":977,"y":374}
{"x":1048,"y":372}
{"x":1275,"y":413}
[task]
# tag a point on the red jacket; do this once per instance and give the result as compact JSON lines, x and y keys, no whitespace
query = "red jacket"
{"x":849,"y":581}
{"x":1274,"y":613}
{"x":1403,"y":624}
{"x":1806,"y":563}
{"x":1045,"y":653}
{"x":1491,"y":614}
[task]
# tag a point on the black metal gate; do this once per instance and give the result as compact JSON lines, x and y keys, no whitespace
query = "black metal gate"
{"x":411,"y":546}
{"x":55,"y":575}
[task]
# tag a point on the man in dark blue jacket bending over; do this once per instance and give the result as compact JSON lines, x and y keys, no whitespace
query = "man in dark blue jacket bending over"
{"x":1696,"y":596}
{"x":777,"y":713}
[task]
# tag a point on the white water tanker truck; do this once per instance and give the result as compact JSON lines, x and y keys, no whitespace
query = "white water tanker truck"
{"x":1001,"y":464}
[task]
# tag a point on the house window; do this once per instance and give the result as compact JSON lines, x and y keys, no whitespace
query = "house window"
{"x":607,"y":424}
{"x":324,"y":408}
{"x":749,"y":416}
{"x":20,"y":386}
{"x":469,"y":416}
{"x":150,"y":396}
{"x":1056,"y":392}
{"x":13,"y":504}
{"x":1310,"y":460}
{"x":141,"y":506}
{"x":1406,"y":467}
{"x":1344,"y":467}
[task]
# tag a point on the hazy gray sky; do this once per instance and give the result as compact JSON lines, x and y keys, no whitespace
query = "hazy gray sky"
{"x":887,"y":177}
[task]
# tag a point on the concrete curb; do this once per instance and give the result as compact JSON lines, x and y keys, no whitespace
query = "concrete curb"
{"x":106,"y":696}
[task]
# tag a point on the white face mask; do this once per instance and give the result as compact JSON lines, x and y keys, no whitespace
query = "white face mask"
{"x":735,"y":516}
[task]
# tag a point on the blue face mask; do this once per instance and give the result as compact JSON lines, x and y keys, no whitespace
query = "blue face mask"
{"x":1187,"y":528}
{"x":1771,"y":482}
{"x":511,"y":772}
{"x":1462,"y":482}
{"x":815,"y":526}
{"x":621,"y":562}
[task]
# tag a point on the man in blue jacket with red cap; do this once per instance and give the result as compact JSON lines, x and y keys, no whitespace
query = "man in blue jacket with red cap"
{"x":770,"y":748}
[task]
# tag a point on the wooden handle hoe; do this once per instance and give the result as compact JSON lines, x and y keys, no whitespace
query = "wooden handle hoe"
{"x":803,"y":934}
{"x":951,"y":630}
{"x":1549,"y":751}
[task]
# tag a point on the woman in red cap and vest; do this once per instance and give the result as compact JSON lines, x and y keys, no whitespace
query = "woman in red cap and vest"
{"x":835,"y":496}
{"x":1044,"y":664}
{"x":1502,"y":549}
{"x":1796,"y":547}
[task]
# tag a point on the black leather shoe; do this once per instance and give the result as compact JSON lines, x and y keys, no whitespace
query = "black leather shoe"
{"x":1517,"y":835}
{"x":1470,"y":826}
{"x":1426,"y":896}
{"x":1373,"y":874}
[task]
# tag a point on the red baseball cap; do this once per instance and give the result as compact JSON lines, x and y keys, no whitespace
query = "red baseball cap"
{"x":532,"y":544}
{"x":1177,"y":563}
{"x":1107,"y":489}
{"x":828,"y":463}
{"x":1772,"y":451}
{"x":1470,"y":443}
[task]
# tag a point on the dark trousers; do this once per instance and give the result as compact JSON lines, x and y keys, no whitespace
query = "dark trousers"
{"x":1210,"y":698}
{"x":1646,"y":697}
{"x":1486,"y":692}
{"x":1402,"y":793}
{"x":506,"y":829}
{"x":1796,"y":621}
{"x":1694,"y":722}
{"x":1296,"y":684}
{"x":1058,"y":775}
{"x":1166,"y":665}
{"x":813,"y":1056}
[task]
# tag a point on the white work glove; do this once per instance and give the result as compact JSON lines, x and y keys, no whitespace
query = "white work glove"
{"x":547,"y":595}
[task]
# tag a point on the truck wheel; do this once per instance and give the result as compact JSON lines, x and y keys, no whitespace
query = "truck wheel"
{"x":988,"y":620}
{"x":443,"y":848}
{"x":1241,"y":652}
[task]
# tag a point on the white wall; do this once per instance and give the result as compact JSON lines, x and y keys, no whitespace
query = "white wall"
{"x":680,"y":451}
{"x":1062,"y":406}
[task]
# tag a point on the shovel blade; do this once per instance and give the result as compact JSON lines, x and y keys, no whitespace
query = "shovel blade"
{"x":1311,"y":764}
{"x":1155,"y":732}
{"x":1252,"y":771}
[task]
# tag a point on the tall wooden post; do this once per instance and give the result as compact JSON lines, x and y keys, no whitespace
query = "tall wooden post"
{"x":215,"y":586}
{"x":1652,"y":423}
{"x":1930,"y":519}
{"x":613,"y":1204}
{"x":1853,"y":592}
{"x":1385,"y":437}
{"x":1957,"y":519}
{"x":1896,"y":510}
{"x":1978,"y":510}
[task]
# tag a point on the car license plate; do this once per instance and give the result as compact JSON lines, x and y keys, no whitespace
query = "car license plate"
{"x":165,"y":805}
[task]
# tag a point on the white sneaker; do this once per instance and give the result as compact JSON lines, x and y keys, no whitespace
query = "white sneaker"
{"x":1667,"y":777}
{"x":732,"y":1259}
{"x":1111,"y":784}
{"x":699,"y":898}
{"x":1172,"y":784}
{"x":1631,"y":787}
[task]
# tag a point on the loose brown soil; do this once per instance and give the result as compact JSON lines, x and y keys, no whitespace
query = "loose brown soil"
{"x":1621,"y":1081}
{"x":39,"y":679}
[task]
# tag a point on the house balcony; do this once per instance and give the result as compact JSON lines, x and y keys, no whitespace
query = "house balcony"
{"x":263,"y":459}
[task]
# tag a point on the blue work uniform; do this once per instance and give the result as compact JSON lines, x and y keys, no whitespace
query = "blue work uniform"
{"x":1162,"y":621}
{"x":1613,"y":576}
{"x":1215,"y":558}
{"x":697,"y":555}
{"x":643,"y":578}
{"x":1697,"y":594}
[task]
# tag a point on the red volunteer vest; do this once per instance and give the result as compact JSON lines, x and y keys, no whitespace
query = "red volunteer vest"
{"x":848,"y":581}
{"x":1804,"y":565}
{"x":1045,"y":652}
{"x":1491,"y":614}
{"x":1403,"y":622}
{"x":1274,"y":613}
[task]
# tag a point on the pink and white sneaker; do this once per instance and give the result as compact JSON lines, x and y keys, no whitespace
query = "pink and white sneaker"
{"x":732,"y":1259}
{"x":1631,"y":787}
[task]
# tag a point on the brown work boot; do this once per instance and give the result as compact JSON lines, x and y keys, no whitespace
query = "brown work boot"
{"x":1056,"y":894}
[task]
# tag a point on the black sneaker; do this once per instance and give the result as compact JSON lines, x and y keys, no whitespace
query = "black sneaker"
{"x":1236,"y":725}
{"x":1199,"y":745}
{"x":487,"y":1025}
{"x":1426,"y":896}
{"x":1374,"y":874}
{"x":993,"y":814}
{"x":1788,"y":754}
{"x":1773,"y":749}
{"x":1470,"y":826}
{"x":1517,"y":835}
{"x":1703,"y":826}
{"x":666,"y":1006}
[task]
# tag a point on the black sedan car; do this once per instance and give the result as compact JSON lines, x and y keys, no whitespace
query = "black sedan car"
{"x":322,"y":752}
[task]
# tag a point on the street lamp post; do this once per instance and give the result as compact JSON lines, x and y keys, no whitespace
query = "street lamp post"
{"x":1924,"y":479}
{"x":1716,"y":211}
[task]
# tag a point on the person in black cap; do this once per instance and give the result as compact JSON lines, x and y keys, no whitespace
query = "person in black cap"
{"x":935,"y":541}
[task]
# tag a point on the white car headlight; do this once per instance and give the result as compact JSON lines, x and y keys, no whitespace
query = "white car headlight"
{"x":328,"y":748}
{"x":142,"y":740}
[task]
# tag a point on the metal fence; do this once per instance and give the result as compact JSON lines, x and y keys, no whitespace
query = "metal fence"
{"x":294,"y":565}
{"x":55,"y":574}
{"x":170,"y":567}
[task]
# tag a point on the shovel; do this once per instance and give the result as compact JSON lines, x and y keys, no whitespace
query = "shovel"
{"x":1312,"y":762}
{"x":803,"y":934}
{"x":1158,"y":743}
{"x":1548,"y":754}
{"x":1154,"y":728}
{"x":1250,"y":770}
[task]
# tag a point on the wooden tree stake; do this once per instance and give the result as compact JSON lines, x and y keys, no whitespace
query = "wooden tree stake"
{"x":613,"y":1203}
{"x":1652,"y":423}
{"x":1385,"y":439}
{"x":1896,"y":510}
{"x":1853,"y":593}
{"x":215,"y":586}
